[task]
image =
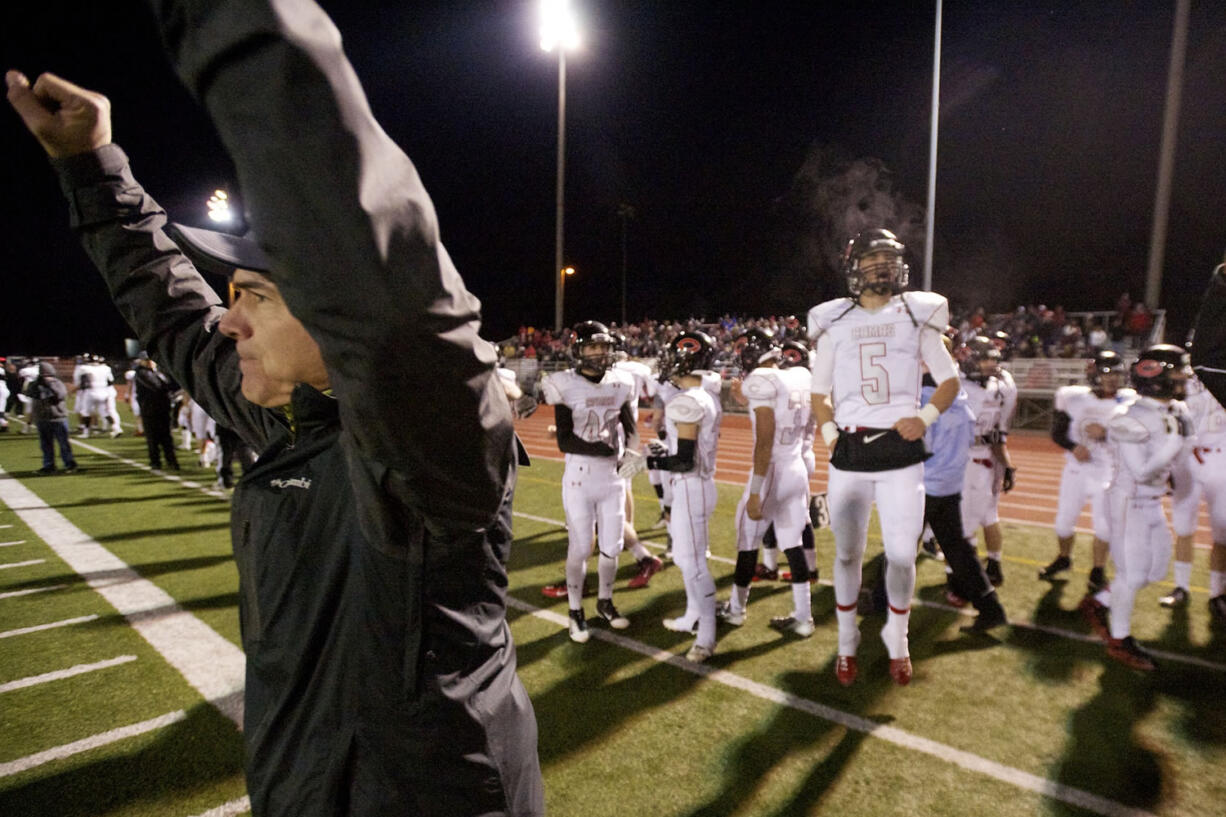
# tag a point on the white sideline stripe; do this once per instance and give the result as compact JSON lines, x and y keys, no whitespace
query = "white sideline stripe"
{"x":6,"y":526}
{"x":209,"y":662}
{"x":22,"y":764}
{"x":240,"y":806}
{"x":22,"y":564}
{"x":38,"y":627}
{"x":916,"y":602}
{"x":898,"y":737}
{"x":10,"y":544}
{"x":186,"y":483}
{"x":14,"y":593}
{"x":79,"y":669}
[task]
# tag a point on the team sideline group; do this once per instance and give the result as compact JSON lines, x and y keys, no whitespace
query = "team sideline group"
{"x":913,"y":425}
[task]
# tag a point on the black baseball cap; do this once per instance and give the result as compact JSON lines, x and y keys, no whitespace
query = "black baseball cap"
{"x":219,"y":253}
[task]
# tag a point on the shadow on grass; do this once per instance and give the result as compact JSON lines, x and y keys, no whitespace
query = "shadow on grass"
{"x":125,"y":536}
{"x":186,"y":757}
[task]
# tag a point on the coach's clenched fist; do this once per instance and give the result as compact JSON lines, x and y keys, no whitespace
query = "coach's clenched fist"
{"x":65,"y":118}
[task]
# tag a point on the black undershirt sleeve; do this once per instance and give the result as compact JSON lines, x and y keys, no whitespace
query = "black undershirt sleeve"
{"x":1060,"y":422}
{"x":568,"y":443}
{"x":682,"y":461}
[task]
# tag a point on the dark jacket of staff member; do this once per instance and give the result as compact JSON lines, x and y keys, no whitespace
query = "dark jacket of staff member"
{"x":372,"y":536}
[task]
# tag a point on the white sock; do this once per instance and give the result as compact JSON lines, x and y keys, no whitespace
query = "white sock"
{"x":894,"y":633}
{"x":770,"y":558}
{"x":811,"y":560}
{"x":849,"y":631}
{"x":1103,"y":596}
{"x":606,"y":571}
{"x":640,"y":552}
{"x":740,"y":598}
{"x":575,"y":574}
{"x":1217,"y":583}
{"x":1183,"y":574}
{"x":1122,"y":601}
{"x":802,"y":605}
{"x":994,"y":556}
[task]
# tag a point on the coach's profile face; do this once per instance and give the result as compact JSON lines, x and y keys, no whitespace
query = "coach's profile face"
{"x":274,"y":349}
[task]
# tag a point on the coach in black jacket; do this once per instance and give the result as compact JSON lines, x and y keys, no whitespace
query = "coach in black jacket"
{"x":372,"y":535}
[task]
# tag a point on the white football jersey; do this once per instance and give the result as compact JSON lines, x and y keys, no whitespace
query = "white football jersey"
{"x":786,"y":392}
{"x":596,"y":407}
{"x":1008,"y":391}
{"x":1207,"y":414}
{"x":694,"y":406}
{"x":987,"y":403}
{"x":1145,"y":440}
{"x":1085,"y":408}
{"x":714,"y":384}
{"x":875,"y":356}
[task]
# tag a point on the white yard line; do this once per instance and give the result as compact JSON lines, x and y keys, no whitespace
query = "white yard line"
{"x":15,"y":593}
{"x":898,"y":737}
{"x":10,"y":544}
{"x":22,"y":764}
{"x":210,"y":663}
{"x":22,"y":564}
{"x":68,"y":622}
{"x":59,"y":674}
{"x":240,"y":806}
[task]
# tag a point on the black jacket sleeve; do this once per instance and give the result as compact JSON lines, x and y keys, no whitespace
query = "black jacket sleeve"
{"x":1209,"y":340}
{"x":680,"y":462}
{"x":569,"y":443}
{"x":1060,"y":422}
{"x":354,"y":241}
{"x":160,"y":294}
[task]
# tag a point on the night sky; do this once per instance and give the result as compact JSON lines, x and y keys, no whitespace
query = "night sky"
{"x":699,"y":115}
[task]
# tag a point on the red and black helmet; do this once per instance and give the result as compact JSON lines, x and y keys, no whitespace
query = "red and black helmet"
{"x":753,"y":347}
{"x":1161,"y":371}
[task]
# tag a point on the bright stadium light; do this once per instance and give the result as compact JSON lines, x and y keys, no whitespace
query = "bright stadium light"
{"x":558,"y":26}
{"x":219,"y":207}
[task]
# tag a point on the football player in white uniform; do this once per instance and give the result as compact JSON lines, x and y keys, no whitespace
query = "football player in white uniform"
{"x":1006,"y":473}
{"x":687,"y":457}
{"x":777,"y":493}
{"x":1200,"y":473}
{"x":1079,"y":425}
{"x":593,"y":405}
{"x":1146,"y":436}
{"x":866,"y":385}
{"x":645,"y":386}
{"x":989,"y":455}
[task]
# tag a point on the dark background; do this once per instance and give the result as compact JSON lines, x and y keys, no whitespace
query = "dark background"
{"x":700,"y":115}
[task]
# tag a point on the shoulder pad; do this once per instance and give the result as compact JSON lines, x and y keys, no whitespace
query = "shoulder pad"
{"x":824,"y":314}
{"x":760,"y":385}
{"x":683,"y":409}
{"x":929,"y":308}
{"x":1065,"y":394}
{"x":1125,"y":429}
{"x":551,"y":388}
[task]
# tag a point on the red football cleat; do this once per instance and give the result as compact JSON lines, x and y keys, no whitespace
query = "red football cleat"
{"x":554,"y":591}
{"x":900,"y":670}
{"x":648,"y":567}
{"x":845,"y":669}
{"x":1095,"y":614}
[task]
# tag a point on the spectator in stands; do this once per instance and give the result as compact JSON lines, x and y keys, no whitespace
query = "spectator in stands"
{"x":1139,"y":323}
{"x":1097,"y":339}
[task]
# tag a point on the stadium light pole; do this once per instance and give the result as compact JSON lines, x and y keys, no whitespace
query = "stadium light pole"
{"x":930,"y":228}
{"x":1166,"y":157}
{"x":559,"y":32}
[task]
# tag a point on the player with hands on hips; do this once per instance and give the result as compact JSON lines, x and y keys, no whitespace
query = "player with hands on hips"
{"x":868,"y":350}
{"x":595,"y":421}
{"x":777,"y":494}
{"x":1146,"y":436}
{"x":687,"y":459}
{"x":1079,"y":425}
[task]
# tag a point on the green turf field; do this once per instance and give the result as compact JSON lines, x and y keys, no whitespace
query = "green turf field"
{"x":1035,"y":722}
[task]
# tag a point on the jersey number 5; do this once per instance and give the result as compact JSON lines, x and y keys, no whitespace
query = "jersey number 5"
{"x":874,"y":379}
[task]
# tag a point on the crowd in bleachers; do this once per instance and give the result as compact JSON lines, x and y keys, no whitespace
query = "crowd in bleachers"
{"x":1034,"y":331}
